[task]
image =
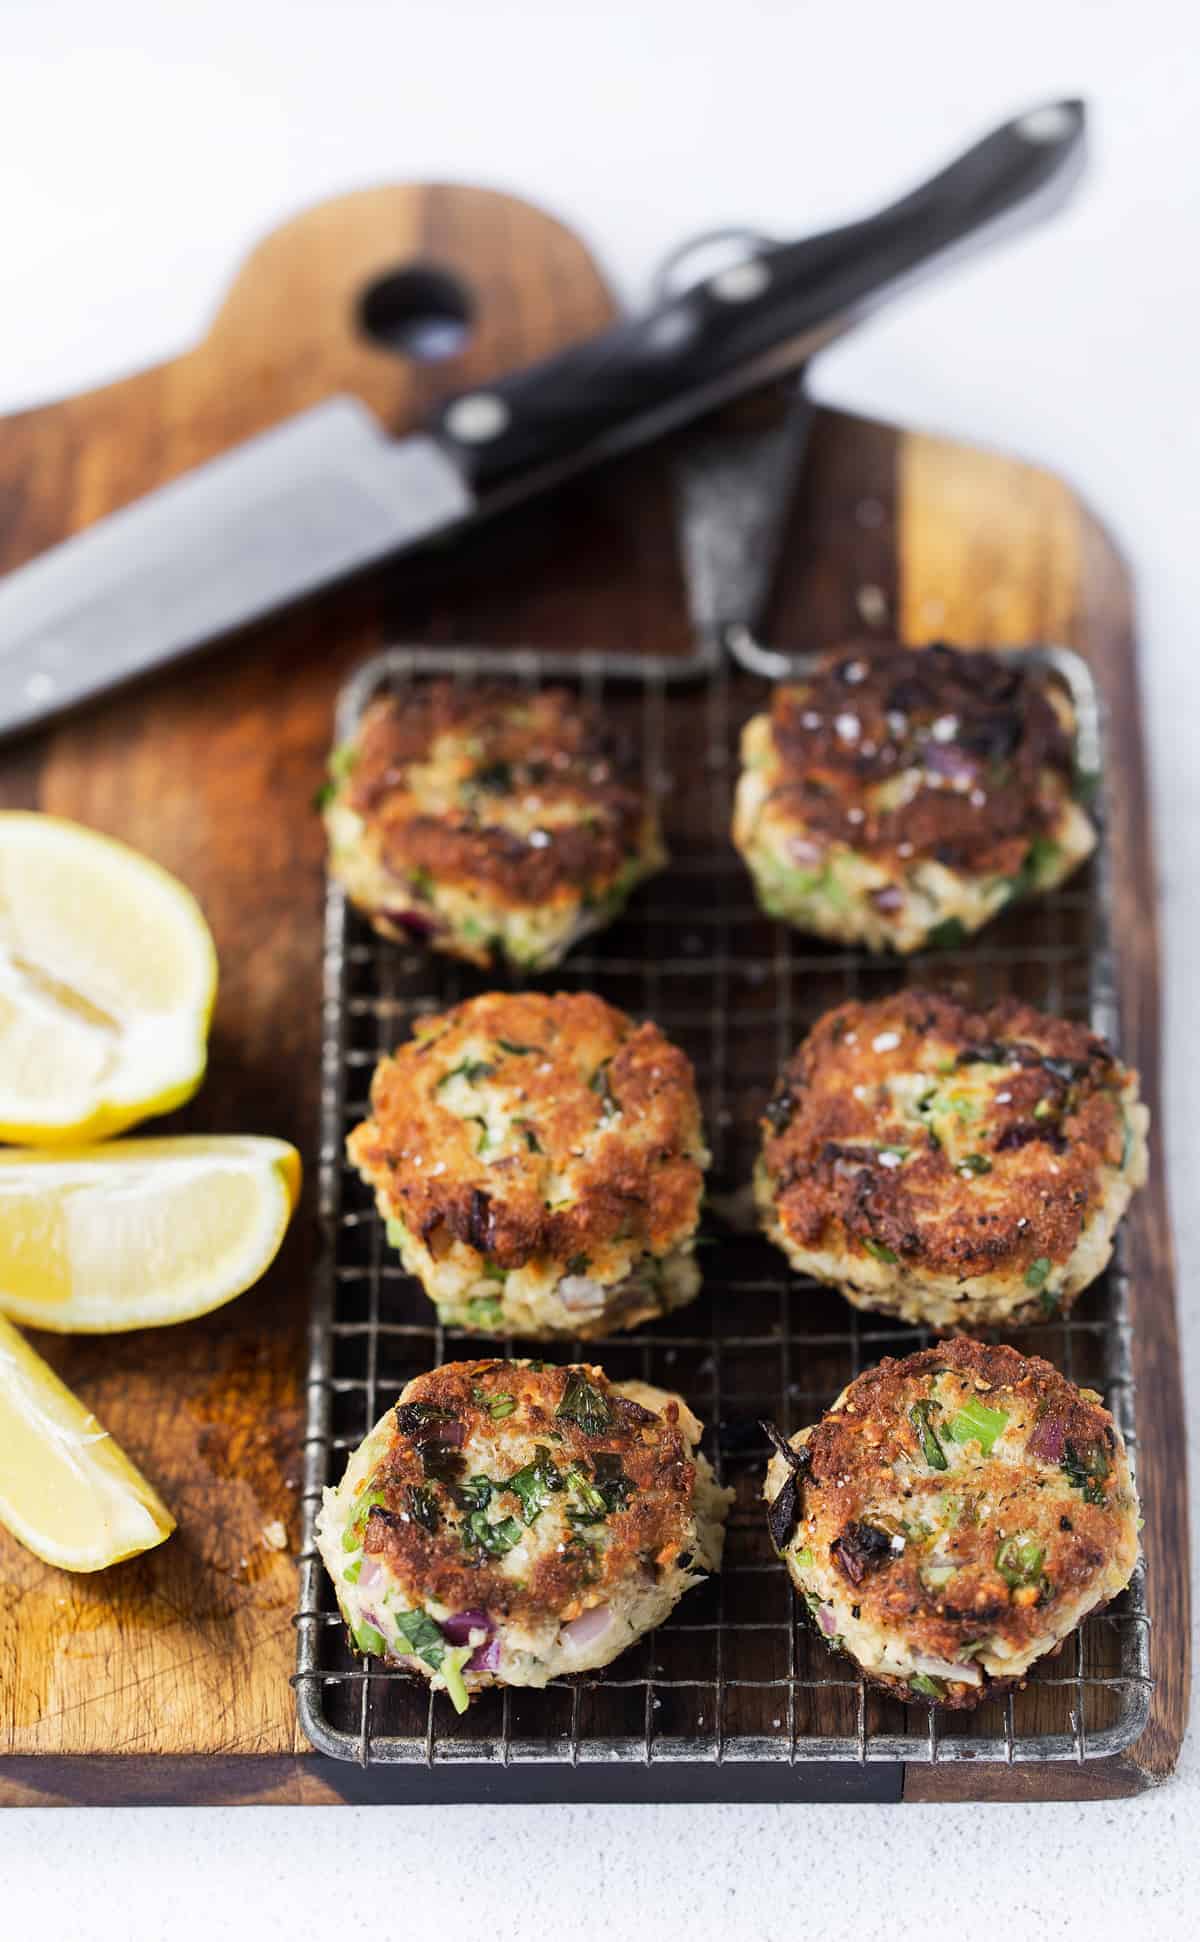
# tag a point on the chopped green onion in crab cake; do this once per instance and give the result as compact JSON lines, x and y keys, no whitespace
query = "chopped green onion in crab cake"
{"x":902,"y":798}
{"x":959,"y":1169}
{"x":539,"y":1161}
{"x":508,"y":1522}
{"x":953,"y":1518}
{"x":490,"y":823}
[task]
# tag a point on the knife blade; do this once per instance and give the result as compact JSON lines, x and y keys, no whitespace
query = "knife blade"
{"x":317,"y":497}
{"x":326,"y":493}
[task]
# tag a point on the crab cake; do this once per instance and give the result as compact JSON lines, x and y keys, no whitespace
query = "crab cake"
{"x":899,"y":798}
{"x":953,"y":1167}
{"x":539,"y":1162}
{"x":492,"y":822}
{"x":508,"y":1522}
{"x":954,"y":1517}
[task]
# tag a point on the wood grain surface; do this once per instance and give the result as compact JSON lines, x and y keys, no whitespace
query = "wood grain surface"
{"x":168,"y":1678}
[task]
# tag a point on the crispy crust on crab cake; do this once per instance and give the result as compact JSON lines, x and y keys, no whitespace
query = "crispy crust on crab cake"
{"x":899,"y":797}
{"x":954,"y":1517}
{"x":956,"y":1168}
{"x":508,"y":1522}
{"x":539,"y":1162}
{"x":489,"y":821}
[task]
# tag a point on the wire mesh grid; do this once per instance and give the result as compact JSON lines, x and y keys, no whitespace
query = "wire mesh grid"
{"x":736,"y":1673}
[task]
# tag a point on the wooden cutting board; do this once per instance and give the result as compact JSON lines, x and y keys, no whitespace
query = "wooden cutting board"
{"x":168,"y":1678}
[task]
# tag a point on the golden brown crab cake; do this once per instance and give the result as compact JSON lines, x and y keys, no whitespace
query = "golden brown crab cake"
{"x":508,"y":1522}
{"x":491,"y":822}
{"x":539,"y":1162}
{"x":954,"y":1517}
{"x":899,"y":798}
{"x":956,"y":1168}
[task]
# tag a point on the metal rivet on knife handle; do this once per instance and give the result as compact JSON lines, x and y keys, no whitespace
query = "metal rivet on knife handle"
{"x":478,"y":417}
{"x":1049,"y":124}
{"x":741,"y":281}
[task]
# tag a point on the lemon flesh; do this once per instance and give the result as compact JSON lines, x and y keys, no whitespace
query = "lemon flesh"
{"x":67,"y":1491}
{"x":108,"y":975}
{"x":138,"y":1233}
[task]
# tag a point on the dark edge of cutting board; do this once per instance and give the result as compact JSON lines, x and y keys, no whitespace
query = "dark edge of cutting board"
{"x":167,"y":1679}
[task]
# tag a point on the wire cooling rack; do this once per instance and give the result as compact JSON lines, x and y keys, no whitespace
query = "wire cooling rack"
{"x":735,"y":1684}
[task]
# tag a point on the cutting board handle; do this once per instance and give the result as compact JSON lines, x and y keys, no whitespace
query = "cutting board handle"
{"x":291,"y":332}
{"x":294,"y":323}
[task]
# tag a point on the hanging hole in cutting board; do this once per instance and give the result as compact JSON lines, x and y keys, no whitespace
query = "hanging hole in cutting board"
{"x":419,"y":312}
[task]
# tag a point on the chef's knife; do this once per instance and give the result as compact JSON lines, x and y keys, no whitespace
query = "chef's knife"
{"x":327,"y":492}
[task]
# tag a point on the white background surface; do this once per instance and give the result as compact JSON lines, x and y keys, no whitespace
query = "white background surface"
{"x":142,"y":148}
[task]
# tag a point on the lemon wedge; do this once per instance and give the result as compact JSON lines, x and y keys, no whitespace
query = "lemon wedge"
{"x":107,"y":981}
{"x":66,"y":1489}
{"x":138,"y":1233}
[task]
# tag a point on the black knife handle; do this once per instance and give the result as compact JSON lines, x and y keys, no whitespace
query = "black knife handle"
{"x":619,"y":387}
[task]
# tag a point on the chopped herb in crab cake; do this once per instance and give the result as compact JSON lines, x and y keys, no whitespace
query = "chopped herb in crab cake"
{"x":953,"y":1518}
{"x":491,"y":823}
{"x":508,"y":1522}
{"x":900,"y":798}
{"x":539,"y":1163}
{"x":956,"y":1168}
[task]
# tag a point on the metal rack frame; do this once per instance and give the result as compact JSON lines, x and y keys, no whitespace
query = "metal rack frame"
{"x":735,"y":1688}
